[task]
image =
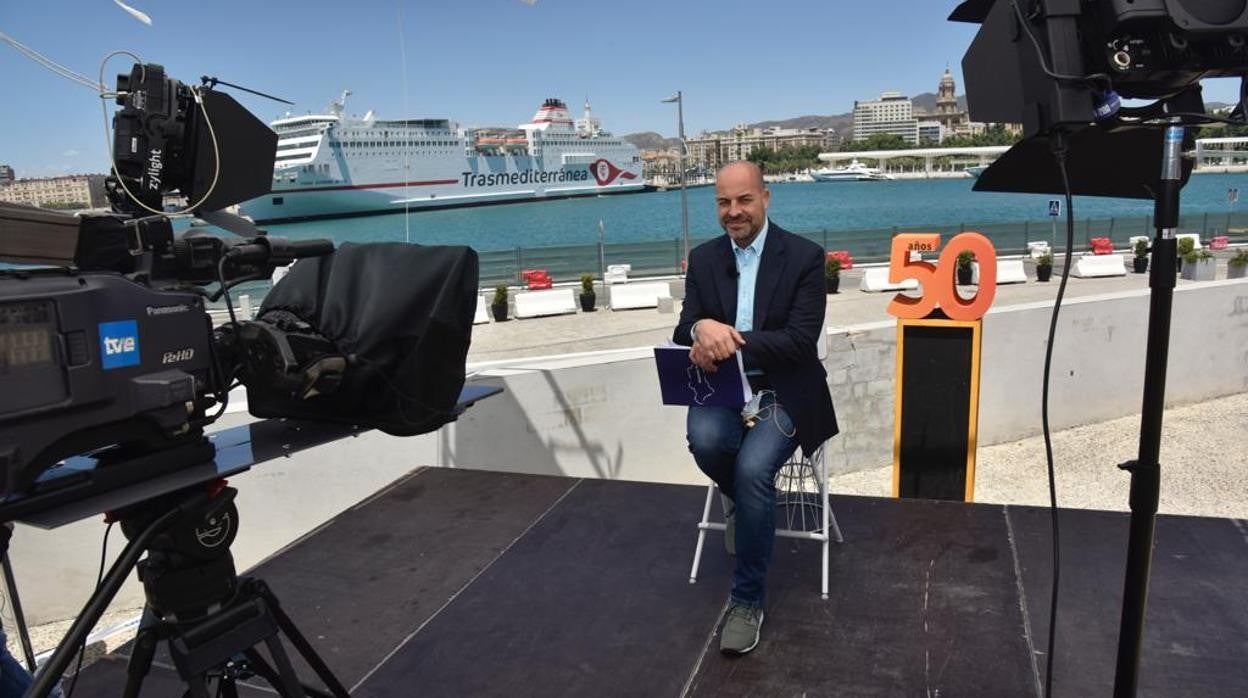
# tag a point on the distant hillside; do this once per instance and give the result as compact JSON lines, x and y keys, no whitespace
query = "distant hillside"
{"x":843,"y":123}
{"x":835,"y":121}
{"x":649,"y":140}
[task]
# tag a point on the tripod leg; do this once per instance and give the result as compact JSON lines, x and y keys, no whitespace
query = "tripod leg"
{"x":299,"y":641}
{"x":22,"y":633}
{"x":140,"y":660}
{"x":286,"y":672}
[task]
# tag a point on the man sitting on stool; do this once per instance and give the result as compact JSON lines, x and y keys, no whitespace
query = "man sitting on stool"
{"x":759,"y":290}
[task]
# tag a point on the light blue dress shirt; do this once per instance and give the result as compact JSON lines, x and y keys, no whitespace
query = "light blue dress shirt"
{"x":747,"y":275}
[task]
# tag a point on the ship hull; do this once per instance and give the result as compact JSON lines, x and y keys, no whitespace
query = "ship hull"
{"x":310,"y":206}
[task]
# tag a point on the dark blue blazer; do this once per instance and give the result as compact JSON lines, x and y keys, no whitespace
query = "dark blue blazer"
{"x":790,"y":297}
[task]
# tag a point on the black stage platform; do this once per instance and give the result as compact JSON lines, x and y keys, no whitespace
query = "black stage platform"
{"x":467,"y":583}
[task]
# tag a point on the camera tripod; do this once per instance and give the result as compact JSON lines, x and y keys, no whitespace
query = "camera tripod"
{"x":212,"y":620}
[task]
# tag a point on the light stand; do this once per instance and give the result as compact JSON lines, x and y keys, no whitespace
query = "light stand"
{"x":679,"y":99}
{"x":1145,"y":470}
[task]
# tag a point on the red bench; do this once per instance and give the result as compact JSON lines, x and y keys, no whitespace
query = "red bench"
{"x":1220,"y":242}
{"x":1101,"y":245}
{"x":537,"y":279}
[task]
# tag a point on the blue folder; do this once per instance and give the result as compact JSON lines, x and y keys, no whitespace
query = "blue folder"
{"x":683,"y":383}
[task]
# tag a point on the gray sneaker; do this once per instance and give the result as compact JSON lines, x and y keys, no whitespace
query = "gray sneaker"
{"x":741,"y":629}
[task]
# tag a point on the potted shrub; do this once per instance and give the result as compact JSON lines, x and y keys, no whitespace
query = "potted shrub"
{"x":1199,"y":265}
{"x":1140,"y":263}
{"x":1237,"y":265}
{"x":965,"y":258}
{"x":587,"y":293}
{"x":832,"y":274}
{"x":499,"y":306}
{"x":1186,"y":247}
{"x":1044,"y":266}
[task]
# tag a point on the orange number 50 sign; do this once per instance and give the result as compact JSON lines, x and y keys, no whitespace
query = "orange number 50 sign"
{"x":938,"y":280}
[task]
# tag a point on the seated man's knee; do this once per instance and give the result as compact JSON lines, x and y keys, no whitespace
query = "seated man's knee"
{"x":755,"y":475}
{"x":709,"y":433}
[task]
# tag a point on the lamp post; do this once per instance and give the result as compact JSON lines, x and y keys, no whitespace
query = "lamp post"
{"x":678,"y":98}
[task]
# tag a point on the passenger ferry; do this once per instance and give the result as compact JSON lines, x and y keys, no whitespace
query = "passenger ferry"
{"x":332,"y":165}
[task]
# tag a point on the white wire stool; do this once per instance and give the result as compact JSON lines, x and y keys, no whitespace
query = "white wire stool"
{"x":802,"y":500}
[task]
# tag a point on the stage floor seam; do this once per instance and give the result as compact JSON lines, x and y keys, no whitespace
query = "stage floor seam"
{"x":1022,"y":601}
{"x":706,"y":648}
{"x":465,"y":587}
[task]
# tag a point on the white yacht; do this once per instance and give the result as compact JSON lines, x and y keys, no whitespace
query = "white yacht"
{"x":853,"y":172}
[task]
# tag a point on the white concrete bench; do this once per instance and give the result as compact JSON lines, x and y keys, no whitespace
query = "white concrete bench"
{"x":635,"y":295}
{"x":1090,"y":266}
{"x":617,"y":273}
{"x":481,"y":314}
{"x":876,"y":281}
{"x":1009,"y":271}
{"x":556,"y":301}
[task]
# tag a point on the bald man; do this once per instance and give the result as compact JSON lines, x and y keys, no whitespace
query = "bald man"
{"x":759,"y":290}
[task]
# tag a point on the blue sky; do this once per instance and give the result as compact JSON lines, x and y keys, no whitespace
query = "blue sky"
{"x":479,"y":62}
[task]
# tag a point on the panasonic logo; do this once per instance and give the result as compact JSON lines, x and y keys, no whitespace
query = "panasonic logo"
{"x":167,"y":309}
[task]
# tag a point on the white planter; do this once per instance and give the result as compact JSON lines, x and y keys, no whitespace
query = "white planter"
{"x":1236,"y":271}
{"x":1203,"y":270}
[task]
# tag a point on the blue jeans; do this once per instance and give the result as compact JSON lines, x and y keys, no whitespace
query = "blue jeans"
{"x":15,"y":681}
{"x":744,"y":462}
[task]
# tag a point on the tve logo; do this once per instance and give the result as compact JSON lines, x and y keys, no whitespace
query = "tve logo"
{"x":119,"y":344}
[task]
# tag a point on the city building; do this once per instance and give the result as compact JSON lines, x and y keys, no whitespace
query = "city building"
{"x":892,"y":113}
{"x":947,"y":112}
{"x":708,"y":151}
{"x":6,"y":174}
{"x":73,"y":191}
{"x":931,"y":132}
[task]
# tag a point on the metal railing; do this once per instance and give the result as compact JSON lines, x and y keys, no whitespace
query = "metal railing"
{"x":662,"y":257}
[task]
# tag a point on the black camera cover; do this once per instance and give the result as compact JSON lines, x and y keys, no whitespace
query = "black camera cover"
{"x":402,"y":314}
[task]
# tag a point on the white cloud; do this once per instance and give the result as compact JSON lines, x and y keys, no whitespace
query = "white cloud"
{"x":71,"y":153}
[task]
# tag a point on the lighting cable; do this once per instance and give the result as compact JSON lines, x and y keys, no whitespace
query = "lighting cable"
{"x":99,"y":578}
{"x":51,"y":64}
{"x":1094,"y":78}
{"x":407,"y":133}
{"x":1059,"y":152}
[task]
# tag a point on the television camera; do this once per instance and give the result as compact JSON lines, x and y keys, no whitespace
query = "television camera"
{"x":110,"y":357}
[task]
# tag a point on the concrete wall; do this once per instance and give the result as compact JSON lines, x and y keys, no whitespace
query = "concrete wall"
{"x":597,"y":415}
